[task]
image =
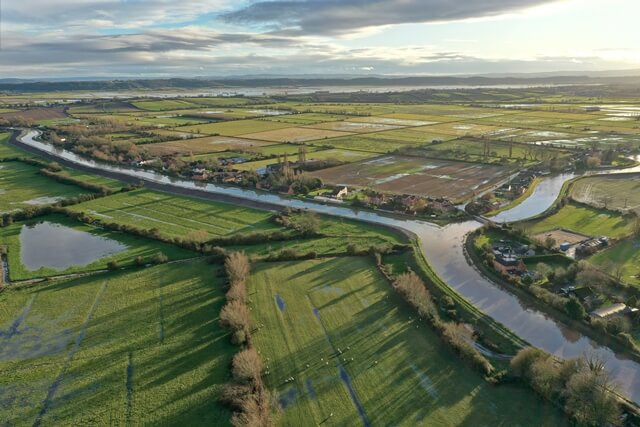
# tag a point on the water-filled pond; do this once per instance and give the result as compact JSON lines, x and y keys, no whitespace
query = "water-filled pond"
{"x":58,"y":247}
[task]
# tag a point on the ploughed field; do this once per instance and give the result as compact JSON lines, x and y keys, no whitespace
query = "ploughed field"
{"x":418,"y":176}
{"x":355,"y":351}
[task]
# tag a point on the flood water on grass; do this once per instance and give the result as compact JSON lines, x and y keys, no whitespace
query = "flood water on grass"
{"x":50,"y":245}
{"x":280,"y":302}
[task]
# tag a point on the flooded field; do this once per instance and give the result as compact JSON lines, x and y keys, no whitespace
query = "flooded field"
{"x":50,"y":245}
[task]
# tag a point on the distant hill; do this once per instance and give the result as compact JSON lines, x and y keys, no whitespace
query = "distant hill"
{"x":18,"y":85}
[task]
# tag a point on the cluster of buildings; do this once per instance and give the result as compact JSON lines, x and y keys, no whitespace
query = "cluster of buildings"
{"x":591,"y":246}
{"x":508,"y":257}
{"x":409,"y":204}
{"x":513,"y":189}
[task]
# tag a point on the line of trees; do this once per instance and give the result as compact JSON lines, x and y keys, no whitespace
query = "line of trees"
{"x":66,"y":179}
{"x":582,"y":386}
{"x":246,"y":394}
{"x":413,"y":290}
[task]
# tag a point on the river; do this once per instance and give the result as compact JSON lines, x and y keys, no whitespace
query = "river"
{"x":443,"y":248}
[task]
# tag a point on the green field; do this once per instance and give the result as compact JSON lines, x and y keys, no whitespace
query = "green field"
{"x":617,"y":192}
{"x":330,"y":154}
{"x":585,"y":220}
{"x":625,"y":254}
{"x":177,"y":216}
{"x":334,"y":325}
{"x":7,"y":151}
{"x":21,"y":185}
{"x":163,"y":104}
{"x":139,"y":348}
{"x":235,"y":127}
{"x":135,"y":246}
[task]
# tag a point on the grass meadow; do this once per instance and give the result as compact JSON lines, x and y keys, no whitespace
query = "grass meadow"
{"x":585,"y":220}
{"x":177,"y":216}
{"x":21,"y":185}
{"x":618,"y":192}
{"x":137,"y":348}
{"x":336,"y":327}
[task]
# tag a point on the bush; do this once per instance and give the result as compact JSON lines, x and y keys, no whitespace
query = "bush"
{"x":237,"y":267}
{"x":235,"y":317}
{"x":582,"y":383}
{"x":247,"y":366}
{"x":237,"y":292}
{"x":521,"y":363}
{"x":458,"y":337}
{"x":112,"y":265}
{"x":413,"y":290}
{"x":574,"y":309}
{"x":140,"y":261}
{"x":160,"y":258}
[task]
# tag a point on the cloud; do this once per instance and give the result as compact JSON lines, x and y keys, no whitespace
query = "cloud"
{"x":197,"y":51}
{"x":347,"y":16}
{"x":110,"y":14}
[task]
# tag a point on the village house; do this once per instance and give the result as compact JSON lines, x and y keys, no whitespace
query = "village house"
{"x":377,"y":200}
{"x":339,"y":192}
{"x":199,"y":174}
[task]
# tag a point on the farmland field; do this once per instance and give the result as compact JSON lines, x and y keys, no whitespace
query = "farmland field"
{"x":621,"y":193}
{"x":235,"y":127}
{"x":177,"y":216}
{"x":163,"y":104}
{"x":474,"y":149}
{"x":137,"y":348}
{"x":54,"y":244}
{"x":21,"y":185}
{"x":207,"y":144}
{"x":348,"y":126}
{"x":412,"y":175}
{"x":330,"y":154}
{"x":335,"y":326}
{"x":307,"y":118}
{"x":295,"y":134}
{"x":625,"y":254}
{"x":585,"y":220}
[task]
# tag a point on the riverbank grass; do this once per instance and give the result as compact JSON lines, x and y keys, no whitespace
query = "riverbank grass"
{"x":337,"y":328}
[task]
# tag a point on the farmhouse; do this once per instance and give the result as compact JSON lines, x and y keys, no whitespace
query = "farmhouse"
{"x":614,"y":310}
{"x":339,"y":192}
{"x":199,"y":174}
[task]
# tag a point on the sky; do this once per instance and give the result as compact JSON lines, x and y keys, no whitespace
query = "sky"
{"x":213,"y":38}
